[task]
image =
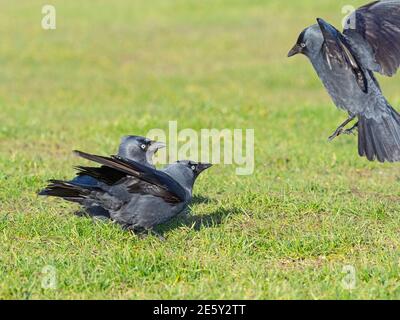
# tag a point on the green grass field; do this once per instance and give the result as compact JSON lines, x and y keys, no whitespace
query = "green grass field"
{"x":124,"y":67}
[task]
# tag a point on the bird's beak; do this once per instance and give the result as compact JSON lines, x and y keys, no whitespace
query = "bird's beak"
{"x":204,"y":166}
{"x":155,"y":146}
{"x":295,"y":50}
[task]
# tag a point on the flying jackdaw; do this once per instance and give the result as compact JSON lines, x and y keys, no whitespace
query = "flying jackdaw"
{"x":346,"y":62}
{"x":137,"y":196}
{"x":136,"y":148}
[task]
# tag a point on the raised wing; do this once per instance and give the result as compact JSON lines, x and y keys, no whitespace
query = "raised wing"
{"x":104,"y":174}
{"x":337,"y":50}
{"x":139,"y":178}
{"x":378,"y":24}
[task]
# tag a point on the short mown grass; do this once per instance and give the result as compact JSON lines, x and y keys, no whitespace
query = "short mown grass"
{"x":124,"y":67}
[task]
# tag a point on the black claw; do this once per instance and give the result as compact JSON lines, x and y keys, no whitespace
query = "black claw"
{"x":341,"y":130}
{"x":336,"y":134}
{"x":351,"y":130}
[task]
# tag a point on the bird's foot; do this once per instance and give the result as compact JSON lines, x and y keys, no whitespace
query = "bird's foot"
{"x":339,"y":131}
{"x":336,"y":134}
{"x":351,"y":130}
{"x":144,"y":233}
{"x":159,"y":236}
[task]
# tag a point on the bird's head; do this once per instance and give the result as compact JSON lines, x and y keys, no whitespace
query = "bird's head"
{"x":185,"y":172}
{"x":309,"y":42}
{"x":195,"y":167}
{"x":139,"y":149}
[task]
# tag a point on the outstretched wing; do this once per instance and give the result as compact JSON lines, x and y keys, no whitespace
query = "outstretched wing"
{"x":337,"y":50}
{"x":378,"y":24}
{"x":140,"y":179}
{"x":104,"y":174}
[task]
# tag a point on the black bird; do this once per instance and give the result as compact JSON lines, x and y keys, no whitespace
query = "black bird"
{"x":137,"y":197}
{"x":137,"y":148}
{"x":346,"y":62}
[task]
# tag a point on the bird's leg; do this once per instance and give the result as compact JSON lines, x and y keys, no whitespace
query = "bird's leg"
{"x":351,"y":130}
{"x":339,"y":130}
{"x":134,"y":232}
{"x":155,"y":233}
{"x":141,"y":234}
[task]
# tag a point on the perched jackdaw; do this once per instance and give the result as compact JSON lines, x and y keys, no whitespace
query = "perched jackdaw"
{"x":136,"y":148}
{"x":137,"y":197}
{"x":346,"y":62}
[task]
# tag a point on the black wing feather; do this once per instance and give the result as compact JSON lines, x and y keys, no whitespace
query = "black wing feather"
{"x":378,"y":23}
{"x":66,"y":190}
{"x":337,"y":49}
{"x":104,"y":174}
{"x":146,"y":180}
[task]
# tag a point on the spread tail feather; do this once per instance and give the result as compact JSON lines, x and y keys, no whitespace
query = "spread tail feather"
{"x":85,"y":195}
{"x":65,"y":190}
{"x":380,"y":139}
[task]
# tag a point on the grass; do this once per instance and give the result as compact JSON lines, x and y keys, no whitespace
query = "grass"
{"x":125,"y":67}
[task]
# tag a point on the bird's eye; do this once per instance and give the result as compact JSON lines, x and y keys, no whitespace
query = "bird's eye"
{"x":303,"y":45}
{"x":143,"y":146}
{"x":193,"y":167}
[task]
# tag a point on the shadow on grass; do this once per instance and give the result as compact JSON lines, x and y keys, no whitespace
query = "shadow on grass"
{"x":198,"y":222}
{"x":185,"y":219}
{"x":200,"y":200}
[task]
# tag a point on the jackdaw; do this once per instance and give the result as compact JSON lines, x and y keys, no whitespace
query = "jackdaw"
{"x":137,"y":196}
{"x":137,"y":148}
{"x":346,"y":62}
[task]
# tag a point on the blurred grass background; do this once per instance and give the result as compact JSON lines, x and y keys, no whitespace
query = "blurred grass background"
{"x":126,"y":66}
